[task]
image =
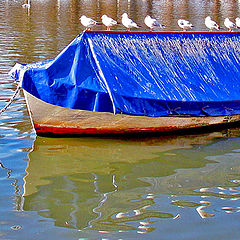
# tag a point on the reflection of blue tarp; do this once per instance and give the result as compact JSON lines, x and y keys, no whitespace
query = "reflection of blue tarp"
{"x":141,"y":74}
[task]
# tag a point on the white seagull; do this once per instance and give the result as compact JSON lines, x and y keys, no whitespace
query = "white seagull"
{"x":108,"y":22}
{"x":87,"y":22}
{"x":152,"y":23}
{"x":184,"y":24}
{"x":211,"y":24}
{"x":238,"y":22}
{"x":128,"y":23}
{"x":27,"y":5}
{"x":229,"y":24}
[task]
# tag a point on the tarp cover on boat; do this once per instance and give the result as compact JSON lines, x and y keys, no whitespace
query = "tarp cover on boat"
{"x":149,"y":74}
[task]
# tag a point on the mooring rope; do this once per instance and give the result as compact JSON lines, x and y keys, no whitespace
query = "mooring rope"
{"x":11,"y":99}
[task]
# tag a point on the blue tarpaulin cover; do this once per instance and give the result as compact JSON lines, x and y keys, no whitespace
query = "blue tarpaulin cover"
{"x":155,"y":74}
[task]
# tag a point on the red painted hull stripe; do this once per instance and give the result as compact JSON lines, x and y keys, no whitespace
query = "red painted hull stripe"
{"x":59,"y":130}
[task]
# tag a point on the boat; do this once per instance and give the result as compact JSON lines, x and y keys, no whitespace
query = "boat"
{"x":107,"y":82}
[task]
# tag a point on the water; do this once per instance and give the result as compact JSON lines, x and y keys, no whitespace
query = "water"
{"x":176,"y":187}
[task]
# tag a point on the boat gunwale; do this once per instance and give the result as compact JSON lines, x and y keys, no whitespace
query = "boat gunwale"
{"x":162,"y":32}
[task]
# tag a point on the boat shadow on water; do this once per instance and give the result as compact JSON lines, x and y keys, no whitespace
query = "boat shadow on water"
{"x":109,"y":184}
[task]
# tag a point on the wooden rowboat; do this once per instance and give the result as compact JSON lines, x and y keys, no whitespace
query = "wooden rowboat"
{"x":118,"y":82}
{"x":48,"y":119}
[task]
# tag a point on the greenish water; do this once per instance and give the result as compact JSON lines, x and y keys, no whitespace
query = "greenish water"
{"x":175,"y":187}
{"x":185,"y":187}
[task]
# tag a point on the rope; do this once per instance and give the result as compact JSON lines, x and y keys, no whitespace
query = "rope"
{"x":11,"y":99}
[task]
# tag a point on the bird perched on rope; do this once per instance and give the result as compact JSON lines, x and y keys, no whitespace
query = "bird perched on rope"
{"x":229,"y":24}
{"x":184,"y":24}
{"x":108,"y":22}
{"x":237,"y":22}
{"x":152,"y":23}
{"x":87,"y":22}
{"x":128,"y":23}
{"x":211,"y":24}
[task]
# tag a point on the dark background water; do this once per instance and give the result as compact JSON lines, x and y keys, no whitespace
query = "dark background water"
{"x":175,"y":187}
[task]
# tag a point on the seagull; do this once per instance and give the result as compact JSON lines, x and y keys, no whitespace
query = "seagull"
{"x":229,"y":24}
{"x":152,"y":23}
{"x":211,"y":24}
{"x":27,"y":5}
{"x":108,"y":22}
{"x":238,"y":22}
{"x":184,"y":24}
{"x":87,"y":22}
{"x":128,"y":23}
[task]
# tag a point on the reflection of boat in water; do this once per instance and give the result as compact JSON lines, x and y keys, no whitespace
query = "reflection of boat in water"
{"x":66,"y":156}
{"x":118,"y":82}
{"x":106,"y":184}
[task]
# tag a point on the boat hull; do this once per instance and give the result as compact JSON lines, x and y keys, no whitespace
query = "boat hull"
{"x":48,"y":119}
